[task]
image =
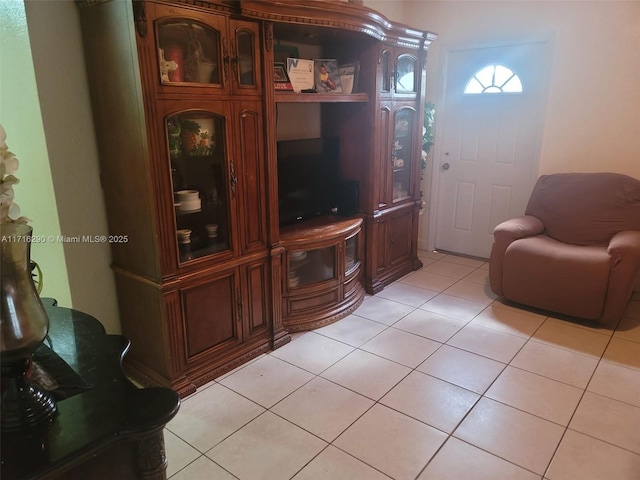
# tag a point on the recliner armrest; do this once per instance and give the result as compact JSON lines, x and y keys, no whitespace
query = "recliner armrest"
{"x":505,"y":233}
{"x":519,"y":227}
{"x":625,"y":244}
{"x":624,"y":254}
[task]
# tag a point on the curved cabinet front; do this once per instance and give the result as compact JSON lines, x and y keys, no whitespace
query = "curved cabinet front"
{"x":322,"y":280}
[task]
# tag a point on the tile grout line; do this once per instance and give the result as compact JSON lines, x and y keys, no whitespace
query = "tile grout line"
{"x":412,"y":370}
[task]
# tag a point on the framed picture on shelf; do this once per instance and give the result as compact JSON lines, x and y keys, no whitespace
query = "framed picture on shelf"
{"x":326,"y":76}
{"x":300,"y":73}
{"x":349,"y":73}
{"x":280,"y":78}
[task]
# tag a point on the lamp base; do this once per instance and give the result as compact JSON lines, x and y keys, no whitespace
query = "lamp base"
{"x":24,"y":405}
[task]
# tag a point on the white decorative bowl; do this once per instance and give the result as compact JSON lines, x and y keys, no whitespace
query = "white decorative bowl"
{"x":187,"y":195}
{"x":190,"y":206}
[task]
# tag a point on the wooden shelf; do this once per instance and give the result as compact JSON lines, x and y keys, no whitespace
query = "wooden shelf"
{"x":315,"y":229}
{"x":292,"y":97}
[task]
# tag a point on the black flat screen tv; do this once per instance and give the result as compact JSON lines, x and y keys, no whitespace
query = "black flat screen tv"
{"x":308,"y":178}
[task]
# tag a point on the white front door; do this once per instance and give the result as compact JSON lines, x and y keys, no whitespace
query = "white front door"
{"x":489,"y":148}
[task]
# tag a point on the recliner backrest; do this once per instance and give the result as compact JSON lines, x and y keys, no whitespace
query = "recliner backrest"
{"x":586,"y":208}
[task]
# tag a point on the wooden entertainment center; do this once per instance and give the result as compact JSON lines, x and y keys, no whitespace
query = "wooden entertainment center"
{"x":189,"y":123}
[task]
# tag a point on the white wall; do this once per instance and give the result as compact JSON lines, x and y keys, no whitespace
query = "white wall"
{"x":58,"y":60}
{"x":21,"y":117}
{"x":591,"y":121}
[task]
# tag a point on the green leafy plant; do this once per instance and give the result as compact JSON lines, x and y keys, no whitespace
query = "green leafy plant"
{"x":427,"y":130}
{"x":427,"y":143}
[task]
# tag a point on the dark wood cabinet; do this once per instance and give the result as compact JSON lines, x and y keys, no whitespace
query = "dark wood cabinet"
{"x":322,"y":278}
{"x":392,"y":221}
{"x":188,"y":123}
{"x":181,"y":131}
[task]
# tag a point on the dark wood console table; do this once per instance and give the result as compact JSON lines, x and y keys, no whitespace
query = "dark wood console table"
{"x":106,"y":428}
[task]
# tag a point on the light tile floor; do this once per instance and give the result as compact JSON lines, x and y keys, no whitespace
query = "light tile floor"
{"x":433,"y":378}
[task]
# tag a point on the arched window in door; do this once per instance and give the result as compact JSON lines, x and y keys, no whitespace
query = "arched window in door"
{"x":493,"y":79}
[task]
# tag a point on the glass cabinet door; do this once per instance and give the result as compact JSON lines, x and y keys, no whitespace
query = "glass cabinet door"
{"x":307,"y":267}
{"x":198,"y":170}
{"x":352,"y":254}
{"x":188,"y":52}
{"x":386,"y":71}
{"x":402,"y":152}
{"x":245,"y":59}
{"x":406,"y":74}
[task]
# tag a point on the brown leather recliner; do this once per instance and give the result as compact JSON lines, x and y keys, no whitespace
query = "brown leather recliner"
{"x":576,"y":250}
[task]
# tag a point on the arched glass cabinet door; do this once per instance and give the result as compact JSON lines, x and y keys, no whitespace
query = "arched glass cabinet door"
{"x":196,"y":142}
{"x":385,"y":67}
{"x":245,"y":57}
{"x":245,"y":72}
{"x":188,"y":52}
{"x":402,"y":152}
{"x":406,"y":74}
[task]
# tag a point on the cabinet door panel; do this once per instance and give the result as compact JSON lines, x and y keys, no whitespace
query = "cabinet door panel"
{"x":382,"y":250}
{"x":188,"y":52}
{"x":407,"y":72}
{"x":403,"y":152}
{"x":249,"y":166}
{"x":385,"y":142}
{"x":189,"y":47}
{"x":210,"y":315}
{"x":386,"y":74}
{"x":399,"y":73}
{"x":400,"y":229}
{"x":199,"y":168}
{"x":245,"y":57}
{"x":352,"y":249}
{"x":307,"y":268}
{"x":257,"y":311}
{"x":311,"y":302}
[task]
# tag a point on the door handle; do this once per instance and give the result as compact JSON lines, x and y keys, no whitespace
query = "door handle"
{"x":445,"y":166}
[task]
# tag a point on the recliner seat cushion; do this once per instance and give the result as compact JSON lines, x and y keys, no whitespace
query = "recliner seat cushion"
{"x":586,"y":208}
{"x":542,"y":272}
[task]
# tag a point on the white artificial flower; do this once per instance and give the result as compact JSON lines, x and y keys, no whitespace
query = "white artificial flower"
{"x":9,"y":210}
{"x":9,"y":162}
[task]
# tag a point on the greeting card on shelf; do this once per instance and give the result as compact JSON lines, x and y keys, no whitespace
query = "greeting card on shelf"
{"x":327,"y":78}
{"x":280,"y":78}
{"x":300,"y":73}
{"x":349,"y":77}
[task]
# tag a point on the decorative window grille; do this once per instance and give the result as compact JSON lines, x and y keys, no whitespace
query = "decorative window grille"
{"x":493,"y":79}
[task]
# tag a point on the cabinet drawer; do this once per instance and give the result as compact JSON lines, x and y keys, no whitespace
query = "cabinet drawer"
{"x":311,"y":302}
{"x":352,"y":285}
